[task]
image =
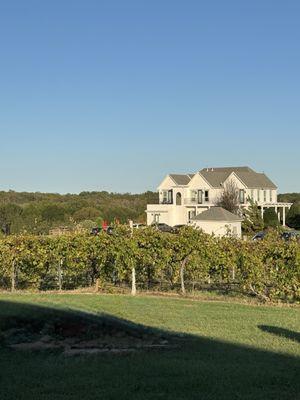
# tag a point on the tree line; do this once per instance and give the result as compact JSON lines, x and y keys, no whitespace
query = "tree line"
{"x":39,"y":212}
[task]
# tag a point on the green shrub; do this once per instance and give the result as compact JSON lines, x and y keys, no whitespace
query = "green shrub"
{"x":293,"y":217}
{"x":270,"y":218}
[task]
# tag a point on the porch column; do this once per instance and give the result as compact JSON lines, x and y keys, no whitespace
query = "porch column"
{"x":262,"y":211}
{"x":283,"y":216}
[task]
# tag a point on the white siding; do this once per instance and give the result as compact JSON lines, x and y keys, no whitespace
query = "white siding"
{"x":219,"y":228}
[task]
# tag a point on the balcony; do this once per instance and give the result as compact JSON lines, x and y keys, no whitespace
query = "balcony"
{"x":158,"y":208}
{"x":165,"y":201}
{"x":193,"y":201}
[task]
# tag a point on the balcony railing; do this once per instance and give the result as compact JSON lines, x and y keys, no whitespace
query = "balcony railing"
{"x":165,"y":202}
{"x":195,"y":201}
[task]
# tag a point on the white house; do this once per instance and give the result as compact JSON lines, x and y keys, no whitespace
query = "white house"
{"x":184,"y":196}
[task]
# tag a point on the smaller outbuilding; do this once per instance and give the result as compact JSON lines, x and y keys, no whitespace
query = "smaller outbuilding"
{"x":219,"y":222}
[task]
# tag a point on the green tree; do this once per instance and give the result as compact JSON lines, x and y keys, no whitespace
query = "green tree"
{"x":293,"y":217}
{"x":229,"y":198}
{"x":253,"y":221}
{"x":86,"y":213}
{"x":270,"y":218}
{"x":10,"y":218}
{"x":86,"y":224}
{"x":53,"y":213}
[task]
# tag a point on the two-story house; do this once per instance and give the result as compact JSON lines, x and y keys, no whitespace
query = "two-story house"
{"x":183,"y":196}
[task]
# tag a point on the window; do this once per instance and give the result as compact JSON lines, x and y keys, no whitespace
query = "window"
{"x":265,"y":195}
{"x":242,"y":196}
{"x":271,"y":196}
{"x":252,"y":194}
{"x":258,"y":195}
{"x":206,"y":195}
{"x":167,"y":197}
{"x":193,"y":196}
{"x":164,"y":197}
{"x":200,"y":196}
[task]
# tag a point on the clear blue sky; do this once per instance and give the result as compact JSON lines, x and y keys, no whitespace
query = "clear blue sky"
{"x":113,"y":95}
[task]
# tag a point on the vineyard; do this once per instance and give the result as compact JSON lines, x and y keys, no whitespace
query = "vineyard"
{"x":189,"y":260}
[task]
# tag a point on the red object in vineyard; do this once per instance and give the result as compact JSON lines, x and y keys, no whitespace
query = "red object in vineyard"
{"x":104,"y":225}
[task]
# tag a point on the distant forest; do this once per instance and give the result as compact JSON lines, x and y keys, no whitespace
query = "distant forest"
{"x":40,"y":212}
{"x":289,"y":197}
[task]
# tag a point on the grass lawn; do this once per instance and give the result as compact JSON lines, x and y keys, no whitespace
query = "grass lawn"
{"x":231,"y":351}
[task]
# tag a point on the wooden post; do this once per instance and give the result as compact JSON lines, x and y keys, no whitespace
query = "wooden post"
{"x":97,"y":285}
{"x":13,"y":277}
{"x":60,"y":275}
{"x":233,"y":273}
{"x":133,"y":283}
{"x":183,"y":264}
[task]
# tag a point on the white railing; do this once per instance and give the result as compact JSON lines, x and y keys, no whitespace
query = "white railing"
{"x":194,"y":201}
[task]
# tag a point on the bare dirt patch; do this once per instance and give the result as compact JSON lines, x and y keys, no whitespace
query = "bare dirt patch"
{"x":76,"y":335}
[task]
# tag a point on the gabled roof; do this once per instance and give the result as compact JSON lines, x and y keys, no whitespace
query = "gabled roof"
{"x":181,"y":179}
{"x":217,"y":176}
{"x":217,"y":214}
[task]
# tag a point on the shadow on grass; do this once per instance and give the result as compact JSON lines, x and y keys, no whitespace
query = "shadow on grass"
{"x":286,"y":333}
{"x":198,"y":368}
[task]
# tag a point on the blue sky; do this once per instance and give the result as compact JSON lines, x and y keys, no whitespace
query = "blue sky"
{"x":113,"y":95}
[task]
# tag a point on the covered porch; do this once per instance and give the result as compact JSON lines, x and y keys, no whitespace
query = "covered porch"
{"x":281,"y":209}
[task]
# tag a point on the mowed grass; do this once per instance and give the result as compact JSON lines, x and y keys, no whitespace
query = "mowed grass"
{"x":231,"y":351}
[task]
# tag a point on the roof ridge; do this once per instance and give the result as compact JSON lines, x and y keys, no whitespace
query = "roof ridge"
{"x":217,"y":213}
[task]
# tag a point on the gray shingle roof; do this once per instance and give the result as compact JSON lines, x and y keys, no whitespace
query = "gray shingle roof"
{"x":182,"y":179}
{"x":217,"y":214}
{"x":217,"y":176}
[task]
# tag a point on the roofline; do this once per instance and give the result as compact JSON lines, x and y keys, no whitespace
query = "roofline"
{"x":204,"y":179}
{"x":175,"y":184}
{"x":216,"y":220}
{"x":237,"y":178}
